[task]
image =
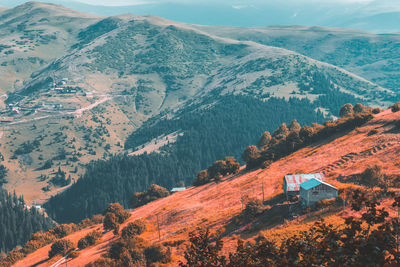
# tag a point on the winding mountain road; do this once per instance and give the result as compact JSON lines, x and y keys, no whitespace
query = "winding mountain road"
{"x":77,"y":113}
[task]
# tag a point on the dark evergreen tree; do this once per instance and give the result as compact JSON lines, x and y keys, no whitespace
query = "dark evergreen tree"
{"x":17,"y":223}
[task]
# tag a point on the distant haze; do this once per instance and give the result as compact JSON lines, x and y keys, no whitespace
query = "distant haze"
{"x":379,"y":16}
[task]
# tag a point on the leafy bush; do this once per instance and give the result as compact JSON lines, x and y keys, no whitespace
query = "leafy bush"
{"x":219,"y":169}
{"x":110,"y":222}
{"x":395,"y":107}
{"x":60,"y":247}
{"x":284,"y":143}
{"x":253,"y":208}
{"x":370,"y":240}
{"x":346,"y":110}
{"x":98,"y":218}
{"x":63,"y":230}
{"x":12,"y":258}
{"x":89,"y":240}
{"x":102,"y":262}
{"x":202,"y":178}
{"x":154,"y":192}
{"x":374,"y":176}
{"x":157,"y":253}
{"x":133,"y":229}
{"x":119,"y":212}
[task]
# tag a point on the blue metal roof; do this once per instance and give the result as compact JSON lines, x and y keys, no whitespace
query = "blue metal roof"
{"x":307,"y":185}
{"x":310,"y":184}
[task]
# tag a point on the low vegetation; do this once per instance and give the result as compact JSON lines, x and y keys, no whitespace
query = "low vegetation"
{"x":41,"y":239}
{"x":216,"y":171}
{"x":132,"y":250}
{"x":89,"y":240}
{"x":114,"y":215}
{"x":285,"y":141}
{"x":367,"y":241}
{"x":154,"y":192}
{"x":60,"y":247}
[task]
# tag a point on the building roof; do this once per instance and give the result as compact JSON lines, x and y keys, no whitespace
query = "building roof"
{"x":177,"y":189}
{"x":293,"y":181}
{"x":307,"y":185}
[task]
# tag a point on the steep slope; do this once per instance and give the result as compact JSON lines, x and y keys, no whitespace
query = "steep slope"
{"x":216,"y":206}
{"x":372,"y":56}
{"x":32,"y":35}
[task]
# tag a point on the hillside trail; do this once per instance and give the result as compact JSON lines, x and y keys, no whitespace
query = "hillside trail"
{"x":354,"y":157}
{"x":77,"y":113}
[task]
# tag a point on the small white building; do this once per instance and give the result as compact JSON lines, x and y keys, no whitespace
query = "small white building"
{"x":178,"y":189}
{"x":291,"y":182}
{"x":89,"y":94}
{"x":315,"y":190}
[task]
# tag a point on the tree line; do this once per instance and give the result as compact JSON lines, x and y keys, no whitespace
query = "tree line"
{"x":213,"y":129}
{"x":17,"y":223}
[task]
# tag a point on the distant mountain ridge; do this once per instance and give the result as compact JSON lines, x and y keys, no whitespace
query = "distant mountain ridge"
{"x":374,"y":57}
{"x":375,"y":16}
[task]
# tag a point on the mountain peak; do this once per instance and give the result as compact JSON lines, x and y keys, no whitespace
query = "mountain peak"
{"x":52,"y":9}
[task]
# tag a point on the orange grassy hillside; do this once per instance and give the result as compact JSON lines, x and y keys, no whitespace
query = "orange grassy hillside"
{"x":216,"y":205}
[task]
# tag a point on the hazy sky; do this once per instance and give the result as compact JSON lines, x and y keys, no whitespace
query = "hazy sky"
{"x":138,"y":2}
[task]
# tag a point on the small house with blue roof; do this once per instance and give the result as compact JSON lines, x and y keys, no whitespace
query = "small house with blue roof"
{"x":314,"y":190}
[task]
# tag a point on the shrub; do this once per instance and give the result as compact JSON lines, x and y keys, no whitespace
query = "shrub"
{"x":202,"y":178}
{"x":395,"y":107}
{"x":253,"y":208}
{"x":374,"y":176}
{"x":158,"y":253}
{"x":13,"y":257}
{"x":43,"y":237}
{"x":97,"y":219}
{"x":60,"y":247}
{"x":359,"y":108}
{"x":110,"y":222}
{"x":63,"y":230}
{"x":89,"y":240}
{"x":153,"y":193}
{"x":250,"y":153}
{"x":218,"y":169}
{"x":264,"y":140}
{"x":118,"y":211}
{"x":294,"y":126}
{"x":31,"y":246}
{"x":223,"y":167}
{"x":346,"y":110}
{"x":102,"y":262}
{"x":376,"y":111}
{"x":281,"y":133}
{"x":133,"y":229}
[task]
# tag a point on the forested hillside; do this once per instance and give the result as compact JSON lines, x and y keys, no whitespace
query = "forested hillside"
{"x":17,"y":223}
{"x":211,"y":130}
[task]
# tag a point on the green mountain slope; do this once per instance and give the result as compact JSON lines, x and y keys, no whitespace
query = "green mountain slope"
{"x":32,"y":35}
{"x":374,"y":57}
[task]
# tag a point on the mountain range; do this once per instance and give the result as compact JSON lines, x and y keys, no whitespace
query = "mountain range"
{"x":124,"y":70}
{"x":378,"y":16}
{"x":97,"y":108}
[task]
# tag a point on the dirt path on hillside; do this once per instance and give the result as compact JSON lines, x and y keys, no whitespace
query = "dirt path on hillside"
{"x":77,"y":113}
